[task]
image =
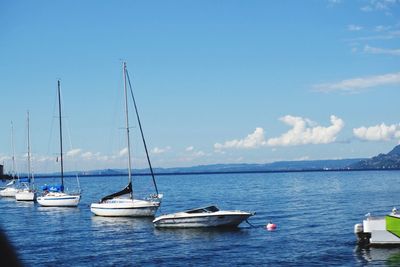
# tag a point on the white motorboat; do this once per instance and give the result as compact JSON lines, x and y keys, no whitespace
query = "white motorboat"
{"x":123,"y":203}
{"x":27,"y":190}
{"x":54,"y":196}
{"x":379,"y":231}
{"x":209,"y":216}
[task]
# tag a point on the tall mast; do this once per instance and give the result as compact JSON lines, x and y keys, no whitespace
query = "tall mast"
{"x":127,"y":129}
{"x":61,"y":143}
{"x":13,"y":151}
{"x":29,"y":149}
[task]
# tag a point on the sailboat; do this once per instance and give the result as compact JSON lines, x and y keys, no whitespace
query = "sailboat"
{"x":54,"y":196}
{"x":27,"y":192}
{"x":11,"y":189}
{"x":122,"y":203}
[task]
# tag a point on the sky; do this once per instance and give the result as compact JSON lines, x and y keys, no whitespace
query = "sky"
{"x":215,"y":81}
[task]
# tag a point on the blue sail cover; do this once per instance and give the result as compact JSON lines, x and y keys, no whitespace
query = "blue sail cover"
{"x":24,"y":180}
{"x":53,"y":188}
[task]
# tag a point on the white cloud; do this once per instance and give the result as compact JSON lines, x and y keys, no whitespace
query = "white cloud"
{"x":253,"y":140}
{"x":305,"y":131}
{"x":382,"y":28}
{"x":380,"y":132}
{"x":4,"y":158}
{"x":74,"y":152}
{"x":376,"y":50}
{"x":189,"y":148}
{"x":87,"y":155}
{"x":332,"y":3}
{"x":158,"y":150}
{"x":200,"y":153}
{"x":353,"y":28}
{"x":357,"y":84}
{"x":380,"y":5}
{"x":123,"y":152}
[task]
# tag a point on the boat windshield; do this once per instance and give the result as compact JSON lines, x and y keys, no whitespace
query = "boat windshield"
{"x":204,"y":210}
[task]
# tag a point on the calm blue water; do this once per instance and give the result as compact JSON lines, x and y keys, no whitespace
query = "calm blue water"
{"x":315,"y":214}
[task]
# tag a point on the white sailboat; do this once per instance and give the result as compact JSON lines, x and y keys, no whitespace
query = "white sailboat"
{"x":11,"y":189}
{"x":54,"y":196}
{"x":28,"y":191}
{"x":122,"y":203}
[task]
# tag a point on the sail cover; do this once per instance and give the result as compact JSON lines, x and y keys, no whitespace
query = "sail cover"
{"x":126,"y":190}
{"x":53,"y":188}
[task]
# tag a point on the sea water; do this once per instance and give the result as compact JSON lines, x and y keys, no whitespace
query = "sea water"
{"x":315,"y":213}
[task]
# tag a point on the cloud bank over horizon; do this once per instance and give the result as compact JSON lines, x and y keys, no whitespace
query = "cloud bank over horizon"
{"x":380,"y":132}
{"x":303,"y":131}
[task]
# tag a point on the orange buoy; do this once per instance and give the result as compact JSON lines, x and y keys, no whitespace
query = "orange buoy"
{"x":271,"y":226}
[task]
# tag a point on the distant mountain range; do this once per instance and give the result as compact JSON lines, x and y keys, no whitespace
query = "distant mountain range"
{"x":389,"y":161}
{"x":281,"y":166}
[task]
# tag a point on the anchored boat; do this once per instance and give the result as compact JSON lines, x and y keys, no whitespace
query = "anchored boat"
{"x":10,"y":188}
{"x":54,"y":196}
{"x":379,"y":231}
{"x":209,"y":216}
{"x":122,"y":203}
{"x":27,"y":191}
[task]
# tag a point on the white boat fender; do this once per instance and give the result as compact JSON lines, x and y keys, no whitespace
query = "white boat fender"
{"x":271,"y":226}
{"x":358,"y":228}
{"x":394,"y":211}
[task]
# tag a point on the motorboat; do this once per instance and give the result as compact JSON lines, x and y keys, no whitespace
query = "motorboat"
{"x":379,"y":231}
{"x":210,"y":216}
{"x":123,"y":203}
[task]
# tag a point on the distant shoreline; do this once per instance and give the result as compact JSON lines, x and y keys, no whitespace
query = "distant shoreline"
{"x":211,"y":172}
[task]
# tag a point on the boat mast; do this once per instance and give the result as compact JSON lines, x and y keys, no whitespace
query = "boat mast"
{"x":13,"y":152}
{"x":127,"y":129}
{"x":61,"y":143}
{"x":29,"y":150}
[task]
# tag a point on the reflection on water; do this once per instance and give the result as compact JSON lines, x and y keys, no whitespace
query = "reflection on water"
{"x":191,"y":233}
{"x":129,"y":222}
{"x":57,"y":210}
{"x":389,"y":256}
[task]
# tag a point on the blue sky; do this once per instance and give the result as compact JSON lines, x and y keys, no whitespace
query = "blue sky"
{"x":215,"y":81}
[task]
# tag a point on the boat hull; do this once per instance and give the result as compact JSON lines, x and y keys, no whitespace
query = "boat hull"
{"x":379,"y":231}
{"x":59,"y":200}
{"x":25,"y":195}
{"x":125,"y":208}
{"x":8,"y":192}
{"x":222,"y":219}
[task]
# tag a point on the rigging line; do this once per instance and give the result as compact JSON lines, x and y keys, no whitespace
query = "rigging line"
{"x":141,"y":131}
{"x":50,"y":139}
